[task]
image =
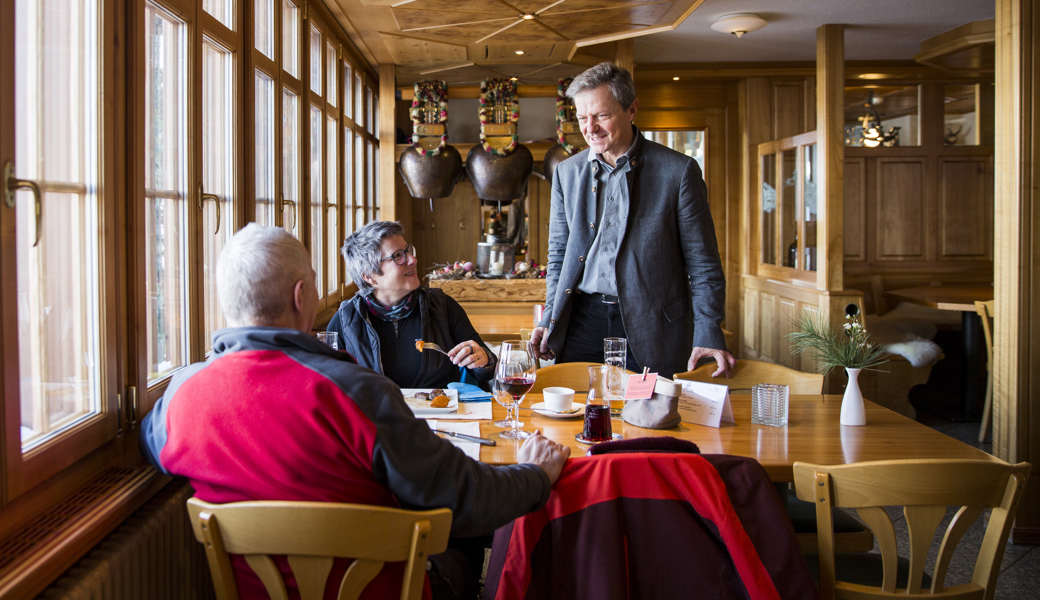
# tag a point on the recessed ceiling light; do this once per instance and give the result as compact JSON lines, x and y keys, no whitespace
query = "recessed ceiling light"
{"x":518,"y":52}
{"x":873,"y":76}
{"x":527,"y":17}
{"x":675,"y":79}
{"x":512,"y":79}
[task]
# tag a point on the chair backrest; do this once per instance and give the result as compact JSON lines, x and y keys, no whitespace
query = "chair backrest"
{"x":570,"y":375}
{"x":985,"y":311}
{"x":751,"y":372}
{"x":311,"y":535}
{"x":925,"y":488}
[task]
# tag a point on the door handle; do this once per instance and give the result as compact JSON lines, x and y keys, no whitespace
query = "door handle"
{"x":282,"y":204}
{"x":204,"y":196}
{"x":12,"y":184}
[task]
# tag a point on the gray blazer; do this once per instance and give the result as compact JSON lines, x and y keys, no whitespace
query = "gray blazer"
{"x":671,"y":286}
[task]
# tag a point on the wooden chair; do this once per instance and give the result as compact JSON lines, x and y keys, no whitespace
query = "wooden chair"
{"x":311,"y":534}
{"x":750,"y":372}
{"x":985,"y":310}
{"x":571,"y":375}
{"x":925,"y":488}
{"x":851,"y":535}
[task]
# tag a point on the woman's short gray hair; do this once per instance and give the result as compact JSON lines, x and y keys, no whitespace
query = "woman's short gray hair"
{"x":257,"y":272}
{"x":361,"y":251}
{"x":622,"y":88}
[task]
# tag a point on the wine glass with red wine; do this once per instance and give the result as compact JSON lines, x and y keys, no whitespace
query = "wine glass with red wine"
{"x":514,"y":377}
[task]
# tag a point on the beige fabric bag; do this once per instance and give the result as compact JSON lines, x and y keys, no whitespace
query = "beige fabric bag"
{"x":659,"y":412}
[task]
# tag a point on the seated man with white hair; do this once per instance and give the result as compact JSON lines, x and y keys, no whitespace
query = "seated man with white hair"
{"x":275,"y":414}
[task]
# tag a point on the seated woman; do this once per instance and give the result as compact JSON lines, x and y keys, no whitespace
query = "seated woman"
{"x":381,"y":323}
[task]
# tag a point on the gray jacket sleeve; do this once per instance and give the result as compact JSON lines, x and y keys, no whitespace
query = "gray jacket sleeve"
{"x":559,"y":232}
{"x":704,"y":267}
{"x":424,"y":471}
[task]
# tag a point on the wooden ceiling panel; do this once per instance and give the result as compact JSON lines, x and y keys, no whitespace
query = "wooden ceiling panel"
{"x":641,"y":14}
{"x":532,"y":52}
{"x":531,"y":6}
{"x":423,"y":54}
{"x":576,"y":30}
{"x":462,"y":34}
{"x":526,"y":32}
{"x":430,"y":20}
{"x":479,"y":7}
{"x":419,"y":35}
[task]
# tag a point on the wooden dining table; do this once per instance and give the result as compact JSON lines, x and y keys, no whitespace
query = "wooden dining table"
{"x":812,"y":435}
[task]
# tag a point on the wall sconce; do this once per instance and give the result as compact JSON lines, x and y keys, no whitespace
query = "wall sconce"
{"x":874,"y":134}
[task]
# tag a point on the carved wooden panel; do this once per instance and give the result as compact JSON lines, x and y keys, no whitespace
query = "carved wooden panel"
{"x":750,"y":324}
{"x":785,"y":326}
{"x":806,"y":362}
{"x":900,"y":209}
{"x":788,"y":108}
{"x":965,"y":208}
{"x":855,"y":227}
{"x":768,"y":328}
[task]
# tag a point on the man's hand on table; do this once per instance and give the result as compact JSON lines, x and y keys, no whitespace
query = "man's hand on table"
{"x":547,"y":454}
{"x":540,"y":343}
{"x":724,"y":359}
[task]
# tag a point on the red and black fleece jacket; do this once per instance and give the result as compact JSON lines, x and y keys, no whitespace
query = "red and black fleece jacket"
{"x":275,"y":414}
{"x":647,"y":525}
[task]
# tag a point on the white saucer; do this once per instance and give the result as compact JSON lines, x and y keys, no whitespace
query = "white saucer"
{"x":540,"y":409}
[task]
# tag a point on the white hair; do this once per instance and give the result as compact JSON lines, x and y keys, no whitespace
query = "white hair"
{"x":257,"y":273}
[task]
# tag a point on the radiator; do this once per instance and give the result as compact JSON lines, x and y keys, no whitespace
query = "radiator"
{"x":151,"y":556}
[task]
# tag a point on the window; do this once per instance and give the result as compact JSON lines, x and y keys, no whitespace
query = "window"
{"x":290,"y":161}
{"x":265,"y":149}
{"x":57,"y":254}
{"x":148,"y":155}
{"x":166,"y":192}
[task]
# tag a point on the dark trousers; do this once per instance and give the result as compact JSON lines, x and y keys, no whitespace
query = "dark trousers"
{"x":591,"y":321}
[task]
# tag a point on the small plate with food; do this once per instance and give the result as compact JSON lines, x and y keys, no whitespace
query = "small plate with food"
{"x":431,"y":401}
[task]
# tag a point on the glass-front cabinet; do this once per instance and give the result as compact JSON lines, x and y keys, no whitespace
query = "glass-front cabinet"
{"x":787,"y":207}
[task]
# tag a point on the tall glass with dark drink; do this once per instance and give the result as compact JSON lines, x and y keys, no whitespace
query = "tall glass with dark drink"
{"x":597,"y":410}
{"x":514,"y":377}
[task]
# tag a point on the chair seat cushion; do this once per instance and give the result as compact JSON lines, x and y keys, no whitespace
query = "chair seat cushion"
{"x":803,"y":517}
{"x":864,"y":568}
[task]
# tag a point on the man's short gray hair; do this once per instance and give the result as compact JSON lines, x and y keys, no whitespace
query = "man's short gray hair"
{"x":361,"y":251}
{"x":257,"y":272}
{"x":622,"y":88}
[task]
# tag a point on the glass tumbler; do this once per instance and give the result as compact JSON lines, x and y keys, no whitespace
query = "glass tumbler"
{"x":769,"y":403}
{"x":330,"y":337}
{"x":615,"y":354}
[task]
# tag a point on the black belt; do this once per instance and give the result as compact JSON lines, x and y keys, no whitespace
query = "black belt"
{"x":604,"y":298}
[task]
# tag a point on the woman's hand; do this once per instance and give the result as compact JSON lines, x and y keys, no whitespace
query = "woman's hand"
{"x":469,"y":354}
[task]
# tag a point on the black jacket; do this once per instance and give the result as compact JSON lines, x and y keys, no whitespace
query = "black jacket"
{"x":443,"y":322}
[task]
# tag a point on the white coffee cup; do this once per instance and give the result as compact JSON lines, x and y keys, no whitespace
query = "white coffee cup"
{"x":558,"y":399}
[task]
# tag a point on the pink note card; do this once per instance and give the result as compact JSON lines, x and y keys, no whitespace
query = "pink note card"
{"x":639,"y":388}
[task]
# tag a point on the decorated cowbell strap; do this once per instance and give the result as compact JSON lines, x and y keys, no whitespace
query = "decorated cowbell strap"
{"x":567,"y":119}
{"x":499,"y":112}
{"x":429,"y":116}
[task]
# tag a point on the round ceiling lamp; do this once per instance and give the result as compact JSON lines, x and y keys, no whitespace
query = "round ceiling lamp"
{"x":739,"y":23}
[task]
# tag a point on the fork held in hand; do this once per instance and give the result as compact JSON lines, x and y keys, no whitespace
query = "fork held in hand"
{"x":423,"y":346}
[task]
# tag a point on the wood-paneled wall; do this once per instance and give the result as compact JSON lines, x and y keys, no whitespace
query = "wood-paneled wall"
{"x":917,"y":216}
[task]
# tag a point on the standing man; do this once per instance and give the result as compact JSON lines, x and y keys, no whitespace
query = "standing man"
{"x":632,"y":248}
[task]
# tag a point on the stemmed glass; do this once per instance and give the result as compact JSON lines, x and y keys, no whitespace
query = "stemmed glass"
{"x":514,"y":377}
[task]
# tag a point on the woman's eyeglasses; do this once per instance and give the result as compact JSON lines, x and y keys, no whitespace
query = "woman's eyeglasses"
{"x":399,"y":256}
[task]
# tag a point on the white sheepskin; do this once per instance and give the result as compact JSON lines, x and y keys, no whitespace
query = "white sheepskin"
{"x":906,"y":331}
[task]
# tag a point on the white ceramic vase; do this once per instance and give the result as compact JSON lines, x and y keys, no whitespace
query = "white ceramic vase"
{"x":852,"y":411}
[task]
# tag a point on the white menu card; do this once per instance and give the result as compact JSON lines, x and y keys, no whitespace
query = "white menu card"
{"x":704,"y":403}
